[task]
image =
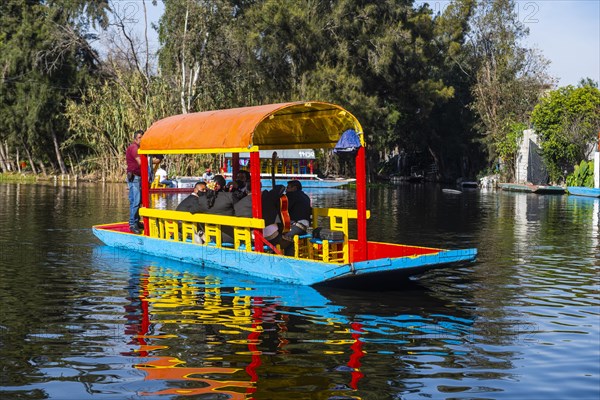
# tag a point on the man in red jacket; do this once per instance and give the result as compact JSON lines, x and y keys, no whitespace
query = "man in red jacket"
{"x":134,"y":182}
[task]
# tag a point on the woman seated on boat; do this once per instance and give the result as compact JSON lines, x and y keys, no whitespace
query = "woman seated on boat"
{"x":218,"y":202}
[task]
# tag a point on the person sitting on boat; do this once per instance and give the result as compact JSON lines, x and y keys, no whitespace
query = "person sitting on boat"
{"x":238,"y":190}
{"x":242,"y":205}
{"x":163,"y":177}
{"x":219,"y":202}
{"x":300,"y":211}
{"x":154,"y":160}
{"x":208,"y":175}
{"x":270,"y":212}
{"x":244,"y":176}
{"x":191,"y":203}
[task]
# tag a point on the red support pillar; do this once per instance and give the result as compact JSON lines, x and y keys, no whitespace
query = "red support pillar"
{"x":235,"y":161}
{"x":145,"y":190}
{"x":256,"y":197}
{"x":361,"y":205}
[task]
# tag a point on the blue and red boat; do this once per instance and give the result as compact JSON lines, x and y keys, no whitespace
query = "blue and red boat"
{"x":284,"y":126}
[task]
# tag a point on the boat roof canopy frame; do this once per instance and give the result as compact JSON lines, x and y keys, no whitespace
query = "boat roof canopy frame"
{"x":294,"y":125}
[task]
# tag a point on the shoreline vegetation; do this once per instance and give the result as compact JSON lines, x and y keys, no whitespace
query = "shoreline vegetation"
{"x":448,"y":91}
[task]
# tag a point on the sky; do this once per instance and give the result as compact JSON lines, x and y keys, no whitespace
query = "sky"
{"x":567,"y":32}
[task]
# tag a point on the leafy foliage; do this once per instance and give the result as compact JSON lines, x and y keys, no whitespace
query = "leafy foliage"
{"x":44,"y":60}
{"x":449,"y":86}
{"x":568,"y":120}
{"x":510,"y":79}
{"x":583,"y":175}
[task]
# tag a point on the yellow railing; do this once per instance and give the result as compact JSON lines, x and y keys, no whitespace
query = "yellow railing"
{"x":183,"y":226}
{"x":328,"y":250}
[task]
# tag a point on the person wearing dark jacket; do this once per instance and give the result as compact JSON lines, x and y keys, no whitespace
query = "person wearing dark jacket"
{"x":242,"y":199}
{"x":219,"y":202}
{"x":270,"y":212}
{"x":192,"y":202}
{"x":300,"y":212}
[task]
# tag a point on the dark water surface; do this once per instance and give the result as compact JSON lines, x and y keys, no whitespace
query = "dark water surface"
{"x":79,"y":320}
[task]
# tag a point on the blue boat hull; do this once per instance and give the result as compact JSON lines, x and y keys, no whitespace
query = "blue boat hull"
{"x":285,"y":269}
{"x":583,"y":191}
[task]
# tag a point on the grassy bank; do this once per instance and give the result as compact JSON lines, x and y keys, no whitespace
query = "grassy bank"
{"x":17,"y":177}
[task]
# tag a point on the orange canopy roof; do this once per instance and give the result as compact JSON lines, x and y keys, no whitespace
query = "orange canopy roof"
{"x":297,"y":125}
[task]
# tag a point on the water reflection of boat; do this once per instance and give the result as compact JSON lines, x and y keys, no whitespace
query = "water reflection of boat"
{"x":210,"y":332}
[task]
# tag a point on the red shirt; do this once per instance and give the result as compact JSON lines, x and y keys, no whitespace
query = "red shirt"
{"x":130,"y":157}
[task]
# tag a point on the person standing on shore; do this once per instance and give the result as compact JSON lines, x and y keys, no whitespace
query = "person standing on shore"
{"x":134,"y":182}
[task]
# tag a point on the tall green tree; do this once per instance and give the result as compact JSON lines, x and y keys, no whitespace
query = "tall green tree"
{"x":568,"y":121}
{"x":45,"y":58}
{"x":510,"y":78}
{"x":383,"y":60}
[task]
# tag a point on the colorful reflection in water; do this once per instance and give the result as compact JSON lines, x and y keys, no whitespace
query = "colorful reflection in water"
{"x":197,"y":335}
{"x":167,"y":300}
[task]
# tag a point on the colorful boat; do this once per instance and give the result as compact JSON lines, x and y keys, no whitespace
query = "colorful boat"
{"x":583,"y":191}
{"x":297,"y":125}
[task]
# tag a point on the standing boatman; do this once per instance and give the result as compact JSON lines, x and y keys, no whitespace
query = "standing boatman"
{"x":134,"y":182}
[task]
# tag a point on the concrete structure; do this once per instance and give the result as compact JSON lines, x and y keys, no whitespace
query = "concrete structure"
{"x":530,"y":167}
{"x":597,"y":169}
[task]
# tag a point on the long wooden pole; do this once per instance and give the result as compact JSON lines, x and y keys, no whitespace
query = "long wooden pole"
{"x":361,"y":205}
{"x":235,"y":165}
{"x":256,"y":197}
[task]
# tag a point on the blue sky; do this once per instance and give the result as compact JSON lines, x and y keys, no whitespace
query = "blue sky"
{"x":566,"y":31}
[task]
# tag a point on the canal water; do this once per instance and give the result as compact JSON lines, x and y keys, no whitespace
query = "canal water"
{"x":79,"y":320}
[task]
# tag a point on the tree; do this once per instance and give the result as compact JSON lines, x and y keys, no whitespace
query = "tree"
{"x":510,"y":79}
{"x":568,"y":121}
{"x":45,"y":58}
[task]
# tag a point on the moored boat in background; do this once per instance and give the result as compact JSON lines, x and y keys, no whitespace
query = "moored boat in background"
{"x":529,"y":188}
{"x":583,"y":191}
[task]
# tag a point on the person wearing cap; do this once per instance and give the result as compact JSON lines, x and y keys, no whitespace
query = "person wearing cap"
{"x":208,"y":175}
